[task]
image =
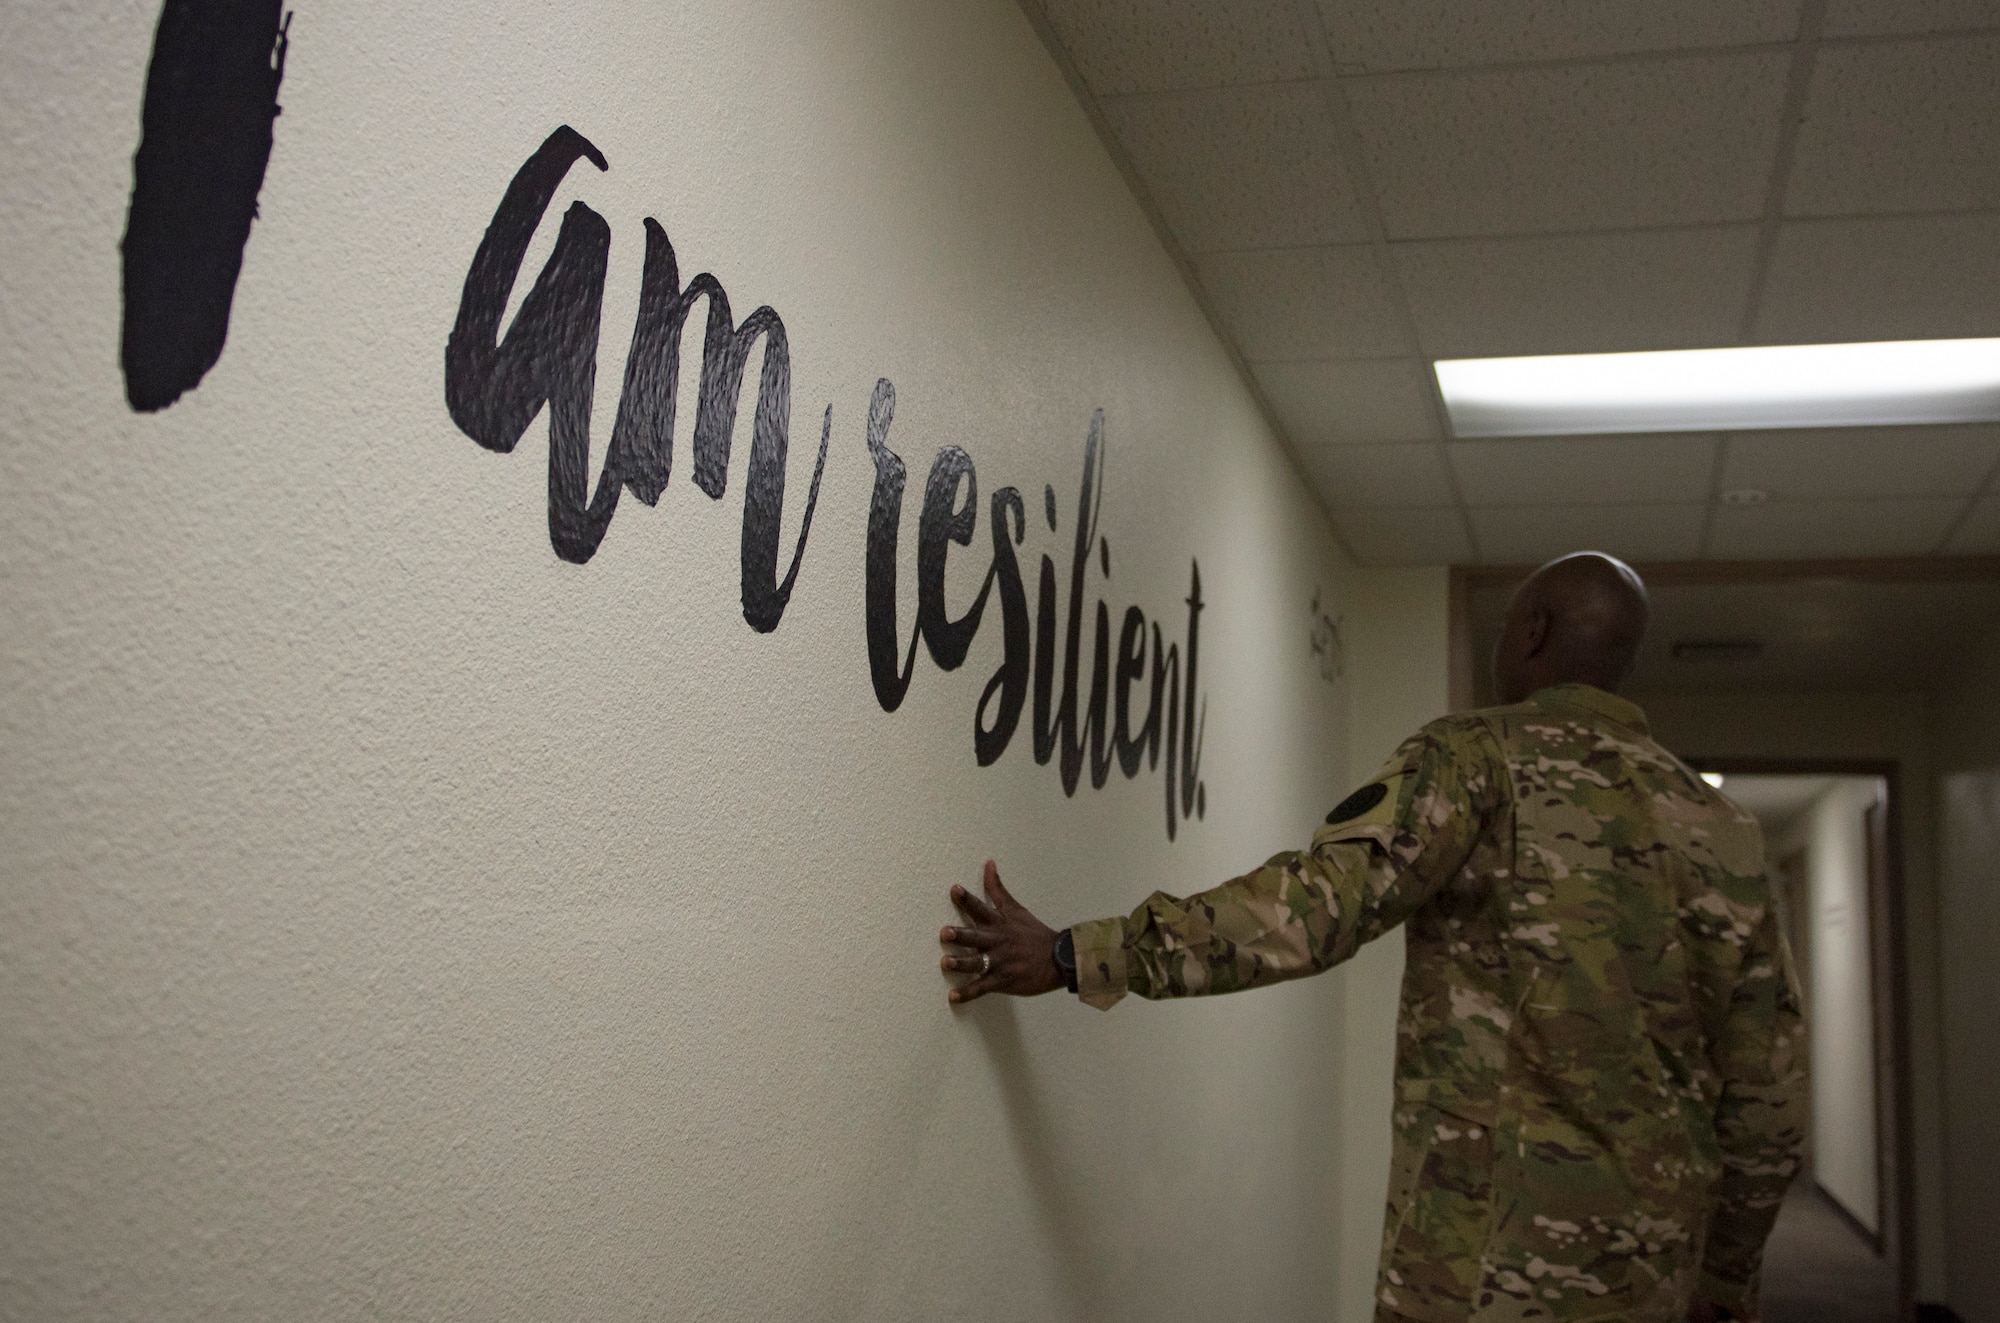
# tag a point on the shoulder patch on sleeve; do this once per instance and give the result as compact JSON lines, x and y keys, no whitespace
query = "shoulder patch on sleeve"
{"x":1357,"y":804}
{"x":1370,"y":812}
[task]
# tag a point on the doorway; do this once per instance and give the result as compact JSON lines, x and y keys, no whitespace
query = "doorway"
{"x":1838,"y":1253}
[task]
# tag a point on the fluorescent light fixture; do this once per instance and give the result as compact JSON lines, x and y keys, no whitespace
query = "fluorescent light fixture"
{"x":1712,"y":390}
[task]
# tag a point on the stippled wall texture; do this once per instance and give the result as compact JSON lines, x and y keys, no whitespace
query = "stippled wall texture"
{"x":425,"y":895}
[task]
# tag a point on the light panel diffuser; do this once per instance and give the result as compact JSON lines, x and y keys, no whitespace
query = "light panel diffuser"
{"x":1713,"y":390}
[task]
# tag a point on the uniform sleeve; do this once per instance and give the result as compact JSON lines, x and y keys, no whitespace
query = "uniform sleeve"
{"x":1384,"y":851}
{"x":1759,"y":1119}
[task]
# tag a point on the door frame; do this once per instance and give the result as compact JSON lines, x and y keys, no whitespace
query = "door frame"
{"x":1895,"y":1161}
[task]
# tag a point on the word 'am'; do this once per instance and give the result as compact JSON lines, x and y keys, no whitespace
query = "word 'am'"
{"x":497,"y":385}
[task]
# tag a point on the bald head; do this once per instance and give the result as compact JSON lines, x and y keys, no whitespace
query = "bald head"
{"x":1577,"y":620}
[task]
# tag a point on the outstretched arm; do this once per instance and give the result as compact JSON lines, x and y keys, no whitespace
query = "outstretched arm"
{"x":1383,"y":852}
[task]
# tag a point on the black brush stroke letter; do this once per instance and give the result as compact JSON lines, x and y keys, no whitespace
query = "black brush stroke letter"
{"x":211,"y":95}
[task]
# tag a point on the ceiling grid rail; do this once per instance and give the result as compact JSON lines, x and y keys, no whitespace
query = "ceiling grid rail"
{"x":1354,"y":158}
{"x":1135,"y":184}
{"x":1798,"y":86}
{"x":1988,"y":488}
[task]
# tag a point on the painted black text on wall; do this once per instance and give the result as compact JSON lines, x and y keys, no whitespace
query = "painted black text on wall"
{"x":497,"y":384}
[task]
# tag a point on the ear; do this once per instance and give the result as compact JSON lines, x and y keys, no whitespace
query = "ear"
{"x":1535,"y":632}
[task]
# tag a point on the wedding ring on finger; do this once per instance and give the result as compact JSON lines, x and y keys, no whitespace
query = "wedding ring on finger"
{"x":985,"y":963}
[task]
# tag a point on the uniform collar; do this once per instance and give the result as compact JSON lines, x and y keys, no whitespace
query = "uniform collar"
{"x":1596,"y":702}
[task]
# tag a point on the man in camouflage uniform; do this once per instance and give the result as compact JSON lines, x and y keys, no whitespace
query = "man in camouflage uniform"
{"x":1600,"y":1058}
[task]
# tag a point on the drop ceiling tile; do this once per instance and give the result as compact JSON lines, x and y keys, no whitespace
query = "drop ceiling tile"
{"x":1666,"y":141}
{"x":1863,"y":461}
{"x":1299,"y":303}
{"x":1850,"y":18}
{"x":1370,"y":400}
{"x":1371,"y":477}
{"x":1404,"y":537}
{"x":1125,"y":46}
{"x":1788,"y":530}
{"x":1241,"y":167}
{"x":1529,"y":535}
{"x":1586,"y":470}
{"x":1369,"y":36}
{"x":1900,"y":126}
{"x":1579,"y":293}
{"x":1979,"y":535}
{"x":1882,"y":278}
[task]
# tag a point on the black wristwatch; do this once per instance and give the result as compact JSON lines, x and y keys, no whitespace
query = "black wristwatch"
{"x":1066,"y":958}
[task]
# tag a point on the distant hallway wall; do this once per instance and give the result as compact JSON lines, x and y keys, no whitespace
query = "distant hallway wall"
{"x":1832,"y":832}
{"x":1968,"y":759}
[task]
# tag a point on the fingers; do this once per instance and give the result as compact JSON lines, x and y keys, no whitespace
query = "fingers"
{"x":985,"y":915}
{"x":973,"y":907}
{"x":974,"y":990}
{"x":995,"y":888}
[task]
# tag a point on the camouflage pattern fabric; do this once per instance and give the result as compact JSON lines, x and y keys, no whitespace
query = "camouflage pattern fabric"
{"x":1600,"y":1067}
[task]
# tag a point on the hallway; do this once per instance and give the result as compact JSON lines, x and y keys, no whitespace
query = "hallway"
{"x":1818,"y":1269}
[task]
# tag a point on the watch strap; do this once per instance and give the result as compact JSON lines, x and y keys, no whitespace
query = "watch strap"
{"x":1066,"y":958}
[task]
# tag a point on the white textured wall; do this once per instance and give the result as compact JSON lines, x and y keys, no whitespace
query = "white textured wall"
{"x":396,"y":921}
{"x":1968,"y":760}
{"x":1841,"y":993}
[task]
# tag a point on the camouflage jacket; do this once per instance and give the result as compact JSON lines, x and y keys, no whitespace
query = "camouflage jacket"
{"x":1600,"y":1065}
